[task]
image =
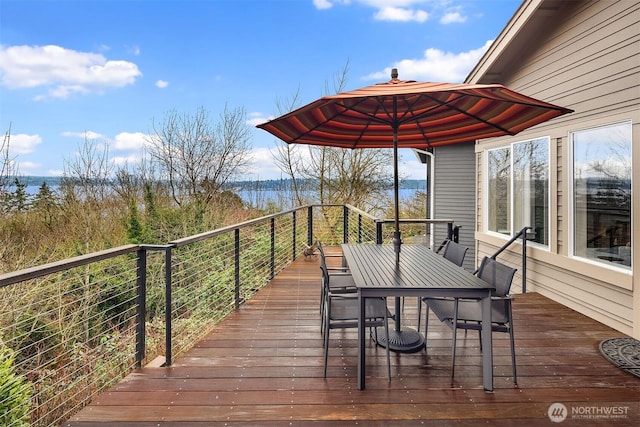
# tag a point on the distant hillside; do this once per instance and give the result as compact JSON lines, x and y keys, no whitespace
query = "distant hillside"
{"x":273,"y":184}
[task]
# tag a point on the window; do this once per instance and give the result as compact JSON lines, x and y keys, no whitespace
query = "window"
{"x":602,"y":194}
{"x":518,"y":189}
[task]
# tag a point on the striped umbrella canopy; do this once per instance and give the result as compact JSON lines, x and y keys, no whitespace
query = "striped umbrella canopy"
{"x":409,"y":114}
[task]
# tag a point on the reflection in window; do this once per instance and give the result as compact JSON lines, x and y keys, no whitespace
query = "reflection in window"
{"x":602,"y":194}
{"x":531,"y":188}
{"x":518,"y":189}
{"x":499,"y":212}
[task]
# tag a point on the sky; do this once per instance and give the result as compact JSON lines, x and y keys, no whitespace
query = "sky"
{"x":107,"y":70}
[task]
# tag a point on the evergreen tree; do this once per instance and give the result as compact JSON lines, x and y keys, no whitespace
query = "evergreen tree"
{"x":19,"y":199}
{"x":134,"y":228}
{"x":46,"y":204}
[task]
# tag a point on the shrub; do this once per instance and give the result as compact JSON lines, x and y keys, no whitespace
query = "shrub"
{"x":15,"y":393}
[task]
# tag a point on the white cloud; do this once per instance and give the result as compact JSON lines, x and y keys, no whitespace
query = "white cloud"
{"x":23,"y":144}
{"x":130,"y":141}
{"x":133,"y":50}
{"x":28,"y":167}
{"x":452,"y":17}
{"x":131,"y":159}
{"x":257,"y":118}
{"x":62,"y":72}
{"x":262,"y":165}
{"x":404,"y":10}
{"x":322,"y":4}
{"x":89,"y":135}
{"x":401,"y":14}
{"x":435,"y":66}
{"x":162,"y":84}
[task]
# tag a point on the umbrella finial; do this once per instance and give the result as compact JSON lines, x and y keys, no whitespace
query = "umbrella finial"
{"x":394,"y":74}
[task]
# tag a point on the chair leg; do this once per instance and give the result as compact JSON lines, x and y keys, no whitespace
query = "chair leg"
{"x":326,"y":349}
{"x":386,"y":331}
{"x":513,"y":356}
{"x":325,"y":332}
{"x":513,"y":344}
{"x":453,"y":343}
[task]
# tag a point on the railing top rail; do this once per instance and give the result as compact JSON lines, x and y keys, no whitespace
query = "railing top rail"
{"x":418,"y":220}
{"x":363,"y":213}
{"x":218,"y":231}
{"x":54,"y":267}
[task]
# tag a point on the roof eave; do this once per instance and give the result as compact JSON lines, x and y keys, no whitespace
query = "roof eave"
{"x":501,"y":44}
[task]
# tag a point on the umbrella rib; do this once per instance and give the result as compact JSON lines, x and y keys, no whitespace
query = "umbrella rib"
{"x":461,"y":111}
{"x":328,"y":119}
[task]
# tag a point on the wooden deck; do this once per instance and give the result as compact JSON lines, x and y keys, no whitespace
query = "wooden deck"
{"x":263,"y":367}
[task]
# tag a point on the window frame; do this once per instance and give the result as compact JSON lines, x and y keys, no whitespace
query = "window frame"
{"x":486,"y":201}
{"x":572,"y":205}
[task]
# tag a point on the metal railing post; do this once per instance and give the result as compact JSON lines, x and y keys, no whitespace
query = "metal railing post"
{"x":378,"y":232}
{"x":236,"y":271}
{"x":168,"y":305}
{"x":524,"y":260}
{"x":273,"y":248}
{"x":310,"y":225}
{"x":359,"y":228}
{"x":293,"y":255}
{"x":345,"y":218}
{"x":141,"y":306}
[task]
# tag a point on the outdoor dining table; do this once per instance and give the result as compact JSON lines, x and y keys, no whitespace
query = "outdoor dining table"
{"x":420,"y":272}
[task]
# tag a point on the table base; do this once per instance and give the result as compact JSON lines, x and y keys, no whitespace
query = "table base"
{"x":403,"y":341}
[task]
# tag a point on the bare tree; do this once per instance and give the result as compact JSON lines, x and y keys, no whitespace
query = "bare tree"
{"x":8,"y":169}
{"x":87,"y":175}
{"x":288,"y":157}
{"x":360,"y":177}
{"x":198,"y":157}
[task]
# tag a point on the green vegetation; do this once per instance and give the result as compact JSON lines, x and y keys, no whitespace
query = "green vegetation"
{"x":70,"y":334}
{"x":15,"y":392}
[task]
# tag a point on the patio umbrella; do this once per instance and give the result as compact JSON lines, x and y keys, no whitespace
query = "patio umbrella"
{"x":409,"y":114}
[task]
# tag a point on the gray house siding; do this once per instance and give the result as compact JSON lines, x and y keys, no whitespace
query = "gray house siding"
{"x":455,"y":193}
{"x":584,"y":56}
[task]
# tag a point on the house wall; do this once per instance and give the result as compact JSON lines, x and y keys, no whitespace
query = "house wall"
{"x":455,"y":186}
{"x":584,"y":56}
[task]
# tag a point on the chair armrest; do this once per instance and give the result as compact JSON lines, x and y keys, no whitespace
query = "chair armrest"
{"x":509,"y":297}
{"x":340,"y":274}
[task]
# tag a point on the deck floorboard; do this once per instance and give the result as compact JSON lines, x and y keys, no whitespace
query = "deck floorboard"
{"x":263,"y":366}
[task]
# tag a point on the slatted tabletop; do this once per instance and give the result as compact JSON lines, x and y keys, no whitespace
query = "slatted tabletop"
{"x":420,"y":271}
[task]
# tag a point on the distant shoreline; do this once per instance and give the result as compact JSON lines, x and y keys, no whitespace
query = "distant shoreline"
{"x":271,"y":184}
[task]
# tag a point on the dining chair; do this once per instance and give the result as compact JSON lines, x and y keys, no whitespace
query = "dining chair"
{"x":338,"y":280}
{"x":343,"y":265}
{"x":341,"y":312}
{"x":466,"y":314}
{"x":454,"y":252}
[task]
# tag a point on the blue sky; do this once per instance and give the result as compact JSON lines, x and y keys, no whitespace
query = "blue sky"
{"x":105,"y":70}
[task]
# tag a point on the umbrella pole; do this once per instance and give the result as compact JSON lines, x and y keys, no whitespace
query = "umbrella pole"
{"x":397,"y":237}
{"x":407,"y":340}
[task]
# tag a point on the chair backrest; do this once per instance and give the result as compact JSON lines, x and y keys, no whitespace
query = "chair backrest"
{"x":455,"y":252}
{"x":320,"y":249}
{"x":497,"y":274}
{"x":325,"y":275}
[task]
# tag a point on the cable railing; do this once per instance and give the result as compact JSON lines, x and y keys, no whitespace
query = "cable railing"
{"x":71,"y":329}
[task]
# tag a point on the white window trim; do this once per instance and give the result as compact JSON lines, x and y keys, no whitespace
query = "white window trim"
{"x":571,"y":201}
{"x":485,"y":198}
